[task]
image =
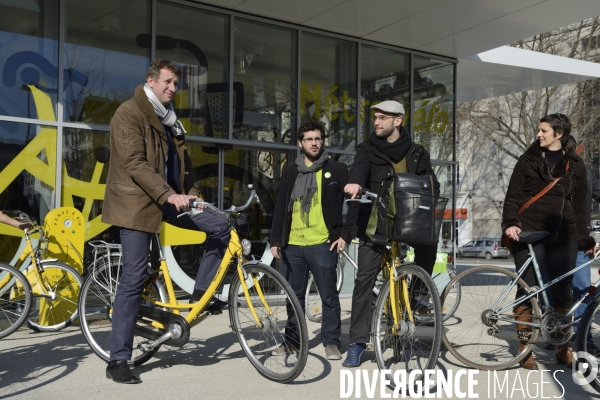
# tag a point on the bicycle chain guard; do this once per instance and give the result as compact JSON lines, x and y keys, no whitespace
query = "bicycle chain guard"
{"x":548,"y":326}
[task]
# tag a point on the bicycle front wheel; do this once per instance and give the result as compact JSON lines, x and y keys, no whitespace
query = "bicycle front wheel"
{"x":277,"y":351}
{"x":96,"y":307}
{"x":407,"y":345}
{"x":312,"y":300}
{"x":588,"y":340}
{"x":15,"y":299}
{"x":484,"y":335}
{"x":452,"y":299}
{"x":58,"y":309}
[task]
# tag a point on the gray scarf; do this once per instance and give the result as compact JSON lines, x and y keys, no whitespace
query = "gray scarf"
{"x":305,"y":186}
{"x":167,"y":117}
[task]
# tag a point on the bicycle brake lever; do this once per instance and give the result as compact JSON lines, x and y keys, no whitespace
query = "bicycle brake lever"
{"x":193,"y":211}
{"x":363,"y":199}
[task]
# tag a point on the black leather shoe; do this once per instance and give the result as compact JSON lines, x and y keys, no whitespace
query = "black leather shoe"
{"x":214,"y":306}
{"x":119,"y":372}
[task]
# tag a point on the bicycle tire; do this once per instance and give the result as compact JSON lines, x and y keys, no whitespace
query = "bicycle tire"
{"x":589,"y":326}
{"x":481,"y":338}
{"x":418,"y":347}
{"x":63,"y":283}
{"x":452,"y":300}
{"x":15,"y":299}
{"x":95,"y":305}
{"x":258,"y":342}
{"x":313,"y":306}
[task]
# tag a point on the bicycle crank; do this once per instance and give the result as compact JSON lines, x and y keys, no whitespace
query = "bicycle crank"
{"x":177,"y":334}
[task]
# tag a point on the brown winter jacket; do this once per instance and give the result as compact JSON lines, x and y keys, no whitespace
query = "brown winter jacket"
{"x":561,"y":211}
{"x":135,"y":187}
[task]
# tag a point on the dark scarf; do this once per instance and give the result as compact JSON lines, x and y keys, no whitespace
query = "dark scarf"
{"x":397,"y":150}
{"x":305,"y":186}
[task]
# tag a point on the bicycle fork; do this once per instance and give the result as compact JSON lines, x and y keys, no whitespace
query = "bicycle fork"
{"x":243,"y":275}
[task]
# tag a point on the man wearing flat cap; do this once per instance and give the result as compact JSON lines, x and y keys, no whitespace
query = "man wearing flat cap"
{"x":389,"y":150}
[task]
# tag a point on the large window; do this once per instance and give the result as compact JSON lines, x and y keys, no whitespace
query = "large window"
{"x":28,"y":57}
{"x":433,"y":124}
{"x":198,"y":41}
{"x":264,"y":86}
{"x":328,"y":87}
{"x":385,"y":75}
{"x":107,"y":52}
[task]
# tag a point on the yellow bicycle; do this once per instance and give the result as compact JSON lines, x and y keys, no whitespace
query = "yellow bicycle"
{"x":54,"y":284}
{"x":260,"y":301}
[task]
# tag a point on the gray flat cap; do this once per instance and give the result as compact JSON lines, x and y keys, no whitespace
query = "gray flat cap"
{"x":389,"y":106}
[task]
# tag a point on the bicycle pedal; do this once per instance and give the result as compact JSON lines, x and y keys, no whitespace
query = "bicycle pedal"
{"x":215,"y":312}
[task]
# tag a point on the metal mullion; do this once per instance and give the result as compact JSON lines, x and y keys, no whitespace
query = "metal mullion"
{"x":29,"y":120}
{"x":411,"y":96}
{"x":153,"y":30}
{"x":298,"y":83}
{"x":359,"y":108}
{"x":231,"y":66}
{"x":221,"y":177}
{"x":60,"y":104}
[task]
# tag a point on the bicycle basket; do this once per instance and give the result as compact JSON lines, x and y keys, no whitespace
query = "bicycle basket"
{"x":417,"y":214}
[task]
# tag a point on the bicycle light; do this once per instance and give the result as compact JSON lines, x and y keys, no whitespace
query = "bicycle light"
{"x":246,"y":247}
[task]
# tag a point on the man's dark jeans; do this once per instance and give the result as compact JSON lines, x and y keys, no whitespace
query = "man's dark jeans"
{"x":135,"y":249}
{"x":322,"y":263}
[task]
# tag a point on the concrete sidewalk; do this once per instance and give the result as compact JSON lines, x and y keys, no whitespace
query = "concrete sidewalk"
{"x":212,"y":366}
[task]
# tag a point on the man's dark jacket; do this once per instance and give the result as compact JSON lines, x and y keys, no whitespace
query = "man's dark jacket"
{"x":332,"y":198}
{"x":369,"y":170}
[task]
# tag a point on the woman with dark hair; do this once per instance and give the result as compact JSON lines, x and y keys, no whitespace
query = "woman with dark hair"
{"x":560,"y":211}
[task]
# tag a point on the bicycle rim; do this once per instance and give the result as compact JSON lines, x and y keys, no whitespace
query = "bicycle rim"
{"x":414,"y":346}
{"x":15,"y":299}
{"x":312,"y":301}
{"x":259,"y":341}
{"x":588,"y":341}
{"x":451,"y":301}
{"x":95,"y":305}
{"x":478,"y":335}
{"x":59,"y":309}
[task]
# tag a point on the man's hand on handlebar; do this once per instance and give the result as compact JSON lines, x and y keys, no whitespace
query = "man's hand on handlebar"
{"x":352,"y":189}
{"x":182,"y":201}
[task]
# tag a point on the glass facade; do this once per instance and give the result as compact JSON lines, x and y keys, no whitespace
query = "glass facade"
{"x":247,"y":84}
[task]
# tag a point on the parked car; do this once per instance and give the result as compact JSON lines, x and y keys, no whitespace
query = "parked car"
{"x":483,"y":247}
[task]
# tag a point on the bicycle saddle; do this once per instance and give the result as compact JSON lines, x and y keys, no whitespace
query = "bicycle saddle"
{"x":530,"y":237}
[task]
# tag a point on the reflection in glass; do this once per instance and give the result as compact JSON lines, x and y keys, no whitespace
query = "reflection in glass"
{"x":433,"y":125}
{"x":264,"y":82}
{"x":328,"y":87}
{"x":205,"y":160}
{"x":107,"y":54}
{"x":444,"y":175}
{"x":28,"y":57}
{"x":27,"y":175}
{"x":86,"y":155}
{"x":385,"y":75}
{"x":198,"y":42}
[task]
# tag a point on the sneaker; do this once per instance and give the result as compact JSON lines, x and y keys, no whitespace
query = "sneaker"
{"x":332,"y":352}
{"x":284,"y":349}
{"x":355,"y":351}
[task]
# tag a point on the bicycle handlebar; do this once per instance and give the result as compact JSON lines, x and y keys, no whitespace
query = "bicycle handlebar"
{"x":366,"y":197}
{"x":194,"y":204}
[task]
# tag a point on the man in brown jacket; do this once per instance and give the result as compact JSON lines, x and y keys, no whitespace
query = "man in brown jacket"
{"x":151,"y":178}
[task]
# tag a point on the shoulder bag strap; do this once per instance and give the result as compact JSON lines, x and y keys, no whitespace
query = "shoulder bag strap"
{"x":545,"y":190}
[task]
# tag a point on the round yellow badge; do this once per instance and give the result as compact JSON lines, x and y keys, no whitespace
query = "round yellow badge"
{"x":327,"y":174}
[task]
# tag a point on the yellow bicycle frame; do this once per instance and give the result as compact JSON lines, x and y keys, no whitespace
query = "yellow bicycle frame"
{"x":234,"y":250}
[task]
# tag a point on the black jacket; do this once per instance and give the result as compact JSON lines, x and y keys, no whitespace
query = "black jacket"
{"x":561,"y":210}
{"x":369,"y":170}
{"x":332,"y":200}
{"x":593,"y":193}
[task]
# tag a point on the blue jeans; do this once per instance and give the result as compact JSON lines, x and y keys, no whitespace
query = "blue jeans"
{"x":322,"y":263}
{"x":581,"y":283}
{"x":136,"y":248}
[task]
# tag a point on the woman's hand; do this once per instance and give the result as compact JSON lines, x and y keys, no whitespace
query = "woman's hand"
{"x":513,"y":232}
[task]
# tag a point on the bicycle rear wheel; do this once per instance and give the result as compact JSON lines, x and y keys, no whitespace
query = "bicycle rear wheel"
{"x":271,"y":298}
{"x":451,"y":301}
{"x":412,"y":345}
{"x":312,"y":301}
{"x":96,"y":305}
{"x":15,"y":299}
{"x":588,"y":340}
{"x":483,"y":336}
{"x":59,"y":309}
